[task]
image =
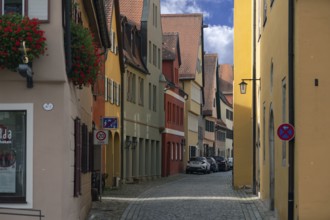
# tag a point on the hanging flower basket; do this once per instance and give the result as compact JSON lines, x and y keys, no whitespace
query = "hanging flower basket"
{"x":14,"y":29}
{"x":85,"y":57}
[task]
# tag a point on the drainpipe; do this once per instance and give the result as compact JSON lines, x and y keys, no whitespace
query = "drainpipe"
{"x":254,"y":102}
{"x":291,"y":110}
{"x":67,"y":36}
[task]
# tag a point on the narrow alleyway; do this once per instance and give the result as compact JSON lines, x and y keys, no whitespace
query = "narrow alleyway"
{"x":183,"y":196}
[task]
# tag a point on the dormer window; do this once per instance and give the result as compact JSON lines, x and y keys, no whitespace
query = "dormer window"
{"x":32,"y":8}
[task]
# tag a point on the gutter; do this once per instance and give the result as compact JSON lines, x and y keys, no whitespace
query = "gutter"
{"x":291,"y":109}
{"x":254,"y":103}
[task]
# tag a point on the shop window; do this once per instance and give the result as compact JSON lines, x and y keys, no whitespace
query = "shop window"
{"x":16,"y":150}
{"x":32,"y":8}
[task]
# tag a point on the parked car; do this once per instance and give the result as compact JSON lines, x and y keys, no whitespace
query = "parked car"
{"x":198,"y":164}
{"x":213,"y":164}
{"x":222,"y":163}
{"x":230,"y":162}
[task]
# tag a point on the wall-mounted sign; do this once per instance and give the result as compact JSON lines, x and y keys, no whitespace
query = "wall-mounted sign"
{"x":109,"y":122}
{"x":285,"y":132}
{"x":101,"y":137}
{"x":5,"y":135}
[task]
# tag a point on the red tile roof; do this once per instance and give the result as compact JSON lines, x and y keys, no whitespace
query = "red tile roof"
{"x":226,"y":78}
{"x":132,"y":9}
{"x":189,"y":27}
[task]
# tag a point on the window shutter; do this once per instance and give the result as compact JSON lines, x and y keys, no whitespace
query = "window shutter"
{"x":91,"y":151}
{"x":118,"y":95}
{"x":109,"y":90}
{"x":112,"y":88}
{"x":77,"y":158}
{"x":105,"y":88}
{"x":38,"y":9}
{"x":85,"y":150}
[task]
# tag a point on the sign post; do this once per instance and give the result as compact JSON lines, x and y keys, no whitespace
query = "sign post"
{"x":101,"y":137}
{"x":285,"y":132}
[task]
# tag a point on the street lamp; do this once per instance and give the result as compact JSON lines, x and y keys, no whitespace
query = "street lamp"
{"x":243,"y":85}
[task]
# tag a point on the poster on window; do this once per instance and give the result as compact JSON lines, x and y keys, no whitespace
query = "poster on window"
{"x":7,"y":171}
{"x":7,"y":161}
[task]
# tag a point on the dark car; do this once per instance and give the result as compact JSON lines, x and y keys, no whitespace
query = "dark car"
{"x":222,"y":163}
{"x":213,"y":163}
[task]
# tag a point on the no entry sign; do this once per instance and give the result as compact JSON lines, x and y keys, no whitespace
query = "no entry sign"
{"x":100,"y":137}
{"x":285,"y":132}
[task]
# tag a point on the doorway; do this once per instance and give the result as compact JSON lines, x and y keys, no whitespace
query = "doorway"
{"x":271,"y":162}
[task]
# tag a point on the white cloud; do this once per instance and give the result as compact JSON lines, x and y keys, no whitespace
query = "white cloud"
{"x":219,"y":39}
{"x":181,"y":6}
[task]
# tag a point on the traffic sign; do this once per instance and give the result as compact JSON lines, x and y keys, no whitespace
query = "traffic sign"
{"x":110,"y":122}
{"x":285,"y":132}
{"x":100,"y":137}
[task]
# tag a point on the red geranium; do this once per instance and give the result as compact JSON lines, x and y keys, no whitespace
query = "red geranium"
{"x":85,"y":56}
{"x":14,"y":29}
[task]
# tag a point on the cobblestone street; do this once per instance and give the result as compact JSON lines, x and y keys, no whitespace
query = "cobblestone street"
{"x":182,"y":196}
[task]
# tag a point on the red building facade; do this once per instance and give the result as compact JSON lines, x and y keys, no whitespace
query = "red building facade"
{"x":174,"y":101}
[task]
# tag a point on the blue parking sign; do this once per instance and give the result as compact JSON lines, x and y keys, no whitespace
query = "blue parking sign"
{"x":110,"y":122}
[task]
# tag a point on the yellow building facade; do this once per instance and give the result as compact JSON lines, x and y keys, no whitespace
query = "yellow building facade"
{"x":113,"y":101}
{"x":242,"y":147}
{"x":290,"y":57}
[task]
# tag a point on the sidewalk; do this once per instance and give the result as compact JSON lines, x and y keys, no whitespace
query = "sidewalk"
{"x":113,"y":209}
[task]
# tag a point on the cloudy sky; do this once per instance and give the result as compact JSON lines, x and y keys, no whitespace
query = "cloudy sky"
{"x":218,"y":15}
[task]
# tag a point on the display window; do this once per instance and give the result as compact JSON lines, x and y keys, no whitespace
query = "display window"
{"x":15,"y":153}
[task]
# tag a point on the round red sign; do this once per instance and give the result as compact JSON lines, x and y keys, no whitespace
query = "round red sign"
{"x":285,"y":132}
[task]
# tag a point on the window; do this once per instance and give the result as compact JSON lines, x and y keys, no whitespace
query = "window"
{"x":181,"y":116}
{"x":221,"y":136}
{"x":105,"y":88}
{"x":154,"y":55}
{"x":229,"y":134}
{"x":271,"y":76}
{"x":77,"y":157}
{"x":150,"y":96}
{"x":110,"y":90}
{"x":113,"y":42}
{"x":171,"y":149}
{"x":264,"y":132}
{"x":173,"y":115}
{"x":150,"y":52}
{"x":168,"y":112}
{"x":131,"y":87}
{"x":176,"y":151}
{"x":118,"y":95}
{"x":141,"y":91}
{"x":209,"y":126}
{"x":265,"y":12}
{"x":229,"y":114}
{"x":115,"y":93}
{"x":16,"y":150}
{"x":177,"y":115}
{"x":129,"y":82}
{"x":158,"y":58}
{"x":154,"y":104}
{"x":32,"y":8}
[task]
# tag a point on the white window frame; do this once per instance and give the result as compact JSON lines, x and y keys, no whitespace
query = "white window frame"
{"x":35,"y":7}
{"x":28,"y":107}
